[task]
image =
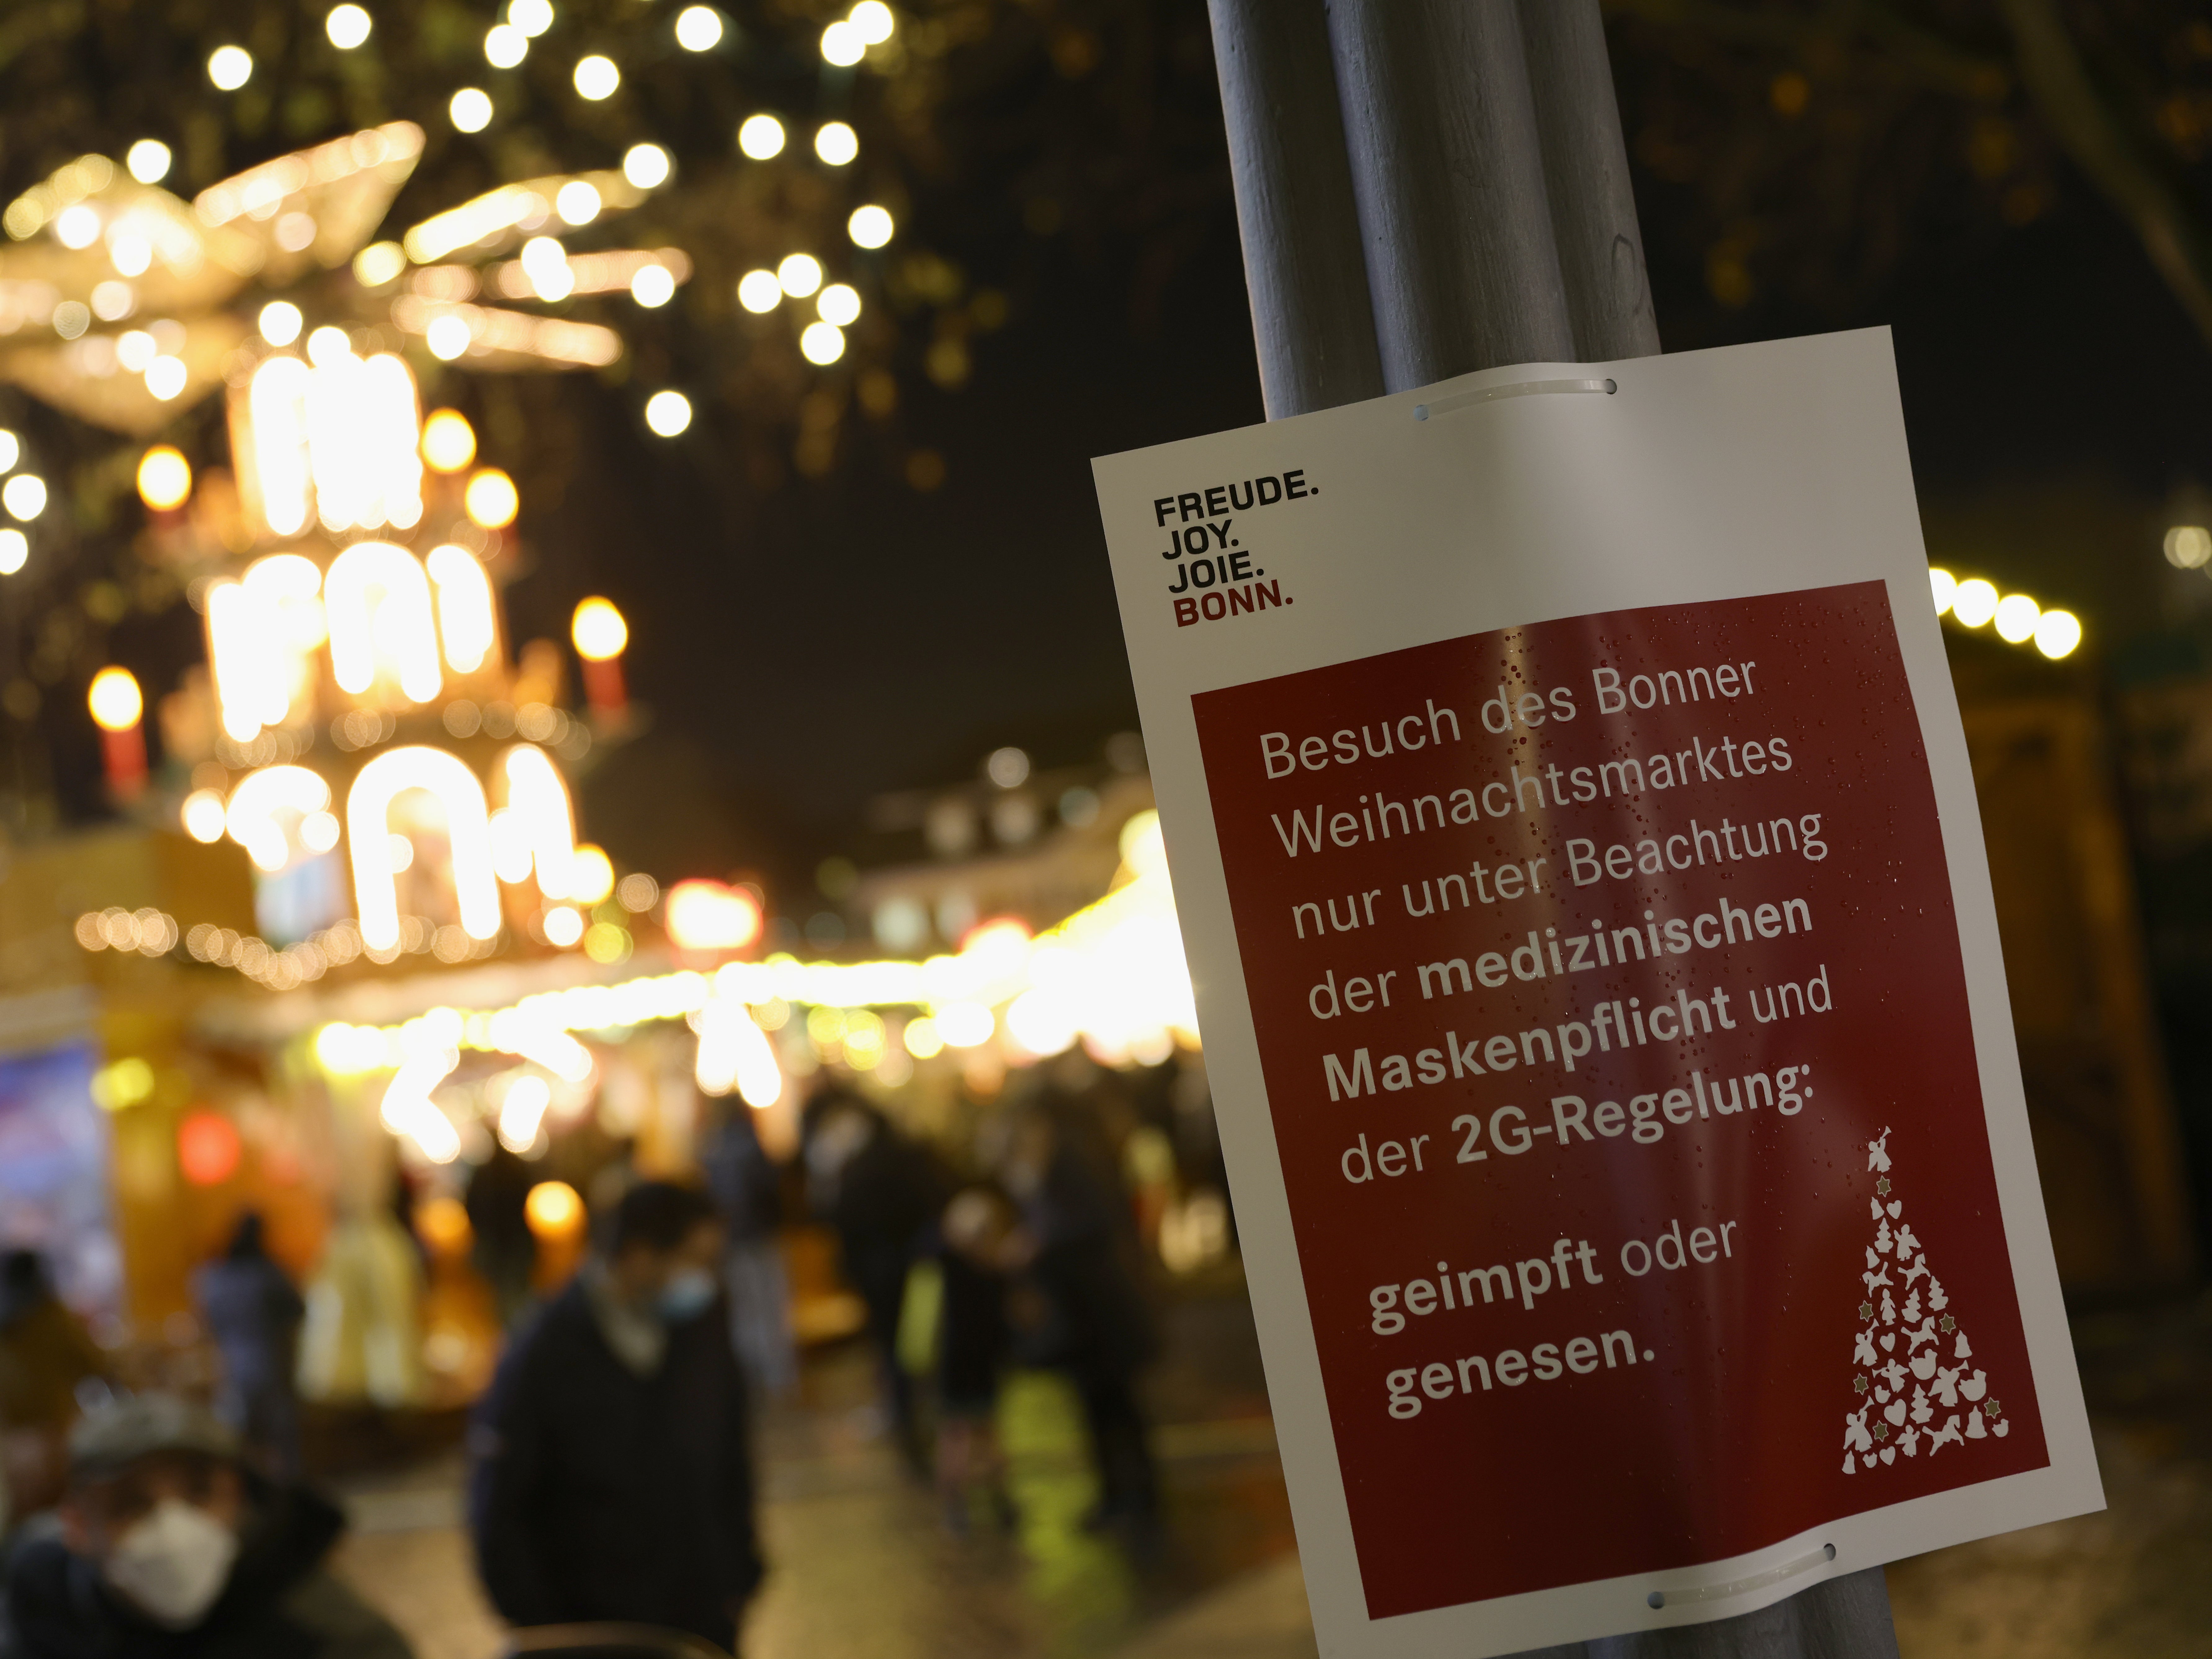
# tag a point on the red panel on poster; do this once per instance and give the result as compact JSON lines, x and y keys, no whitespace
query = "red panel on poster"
{"x":1615,"y":1032}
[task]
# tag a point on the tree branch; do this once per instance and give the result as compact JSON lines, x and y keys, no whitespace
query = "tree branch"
{"x":2170,"y":230}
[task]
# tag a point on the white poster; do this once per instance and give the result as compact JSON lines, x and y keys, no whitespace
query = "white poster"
{"x":1579,"y":868}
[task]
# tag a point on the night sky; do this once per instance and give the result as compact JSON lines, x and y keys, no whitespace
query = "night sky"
{"x":846,"y":637}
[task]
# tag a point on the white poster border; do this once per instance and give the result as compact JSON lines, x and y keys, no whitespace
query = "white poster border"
{"x":1594,"y":500}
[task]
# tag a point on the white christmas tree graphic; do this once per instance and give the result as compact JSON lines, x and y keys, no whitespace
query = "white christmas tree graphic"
{"x":1907,"y":1333}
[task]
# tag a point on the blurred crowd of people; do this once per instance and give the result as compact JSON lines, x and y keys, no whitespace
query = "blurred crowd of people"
{"x":611,"y":1461}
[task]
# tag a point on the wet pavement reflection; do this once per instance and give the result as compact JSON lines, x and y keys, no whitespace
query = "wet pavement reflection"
{"x":864,"y":1566}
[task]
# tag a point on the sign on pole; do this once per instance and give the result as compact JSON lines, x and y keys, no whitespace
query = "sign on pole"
{"x":1579,"y":868}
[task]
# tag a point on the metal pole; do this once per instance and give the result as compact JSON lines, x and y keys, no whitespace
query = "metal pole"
{"x":1496,"y":225}
{"x":1311,"y":319}
{"x":1586,"y":177}
{"x":1446,"y":166}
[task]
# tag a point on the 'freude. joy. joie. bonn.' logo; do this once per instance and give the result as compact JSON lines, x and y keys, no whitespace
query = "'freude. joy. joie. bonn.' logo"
{"x":1216,"y":575}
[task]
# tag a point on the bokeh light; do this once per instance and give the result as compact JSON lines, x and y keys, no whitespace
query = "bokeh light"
{"x":822,"y":344}
{"x":872,"y":21}
{"x":799,"y":275}
{"x":491,"y":499}
{"x":347,"y":25}
{"x":165,"y":478}
{"x":470,"y":110}
{"x":2057,"y":633}
{"x":836,"y":144}
{"x":598,"y":630}
{"x":597,"y":77}
{"x":204,"y":818}
{"x":667,"y":413}
{"x":147,"y":160}
{"x":759,"y":291}
{"x":115,"y":700}
{"x":646,"y":165}
{"x":24,"y":496}
{"x":698,"y":29}
{"x":279,"y":322}
{"x":1974,"y":602}
{"x":870,"y":225}
{"x":761,"y":137}
{"x":230,"y":68}
{"x":449,"y":443}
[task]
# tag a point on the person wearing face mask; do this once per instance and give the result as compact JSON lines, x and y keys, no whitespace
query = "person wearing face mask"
{"x":611,"y":1475}
{"x":170,"y":1547}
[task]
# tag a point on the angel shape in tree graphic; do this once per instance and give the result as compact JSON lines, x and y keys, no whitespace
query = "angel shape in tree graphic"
{"x":1908,"y":1333}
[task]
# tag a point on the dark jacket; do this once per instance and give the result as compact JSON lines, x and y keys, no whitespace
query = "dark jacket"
{"x":1086,"y":1267}
{"x":281,"y":1601}
{"x":599,"y":1494}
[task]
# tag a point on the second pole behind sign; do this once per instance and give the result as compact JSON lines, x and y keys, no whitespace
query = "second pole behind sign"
{"x":1426,"y":188}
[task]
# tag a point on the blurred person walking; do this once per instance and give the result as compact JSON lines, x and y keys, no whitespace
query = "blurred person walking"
{"x":881,"y":1192}
{"x":170,"y":1547}
{"x":748,"y":1187}
{"x":612,"y":1472}
{"x":46,"y":1357}
{"x":1076,"y":1239}
{"x":975,"y":1340}
{"x":503,"y":1251}
{"x":253,"y":1312}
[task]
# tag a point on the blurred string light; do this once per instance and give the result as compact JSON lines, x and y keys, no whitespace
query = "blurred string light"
{"x":597,"y":77}
{"x":279,"y":322}
{"x":653,"y":285}
{"x":869,"y":227}
{"x":2188,"y":546}
{"x":1112,"y":977}
{"x":229,"y":68}
{"x":842,"y":44}
{"x":667,"y":413}
{"x":822,"y":344}
{"x":872,"y":20}
{"x":799,"y":275}
{"x":533,"y":17}
{"x":470,"y":110}
{"x":347,"y":25}
{"x":147,"y":160}
{"x":378,"y":262}
{"x":2019,"y":618}
{"x":15,"y":551}
{"x":11,"y":450}
{"x":24,"y":496}
{"x":646,"y":165}
{"x":505,"y":46}
{"x":759,"y":291}
{"x":760,"y":137}
{"x":838,"y":304}
{"x":698,"y":29}
{"x":578,"y":202}
{"x":836,"y":144}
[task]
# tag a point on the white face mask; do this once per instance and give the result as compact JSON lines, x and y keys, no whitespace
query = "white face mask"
{"x":173,"y":1563}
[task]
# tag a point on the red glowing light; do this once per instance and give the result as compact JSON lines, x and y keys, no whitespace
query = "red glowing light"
{"x":207,"y":1148}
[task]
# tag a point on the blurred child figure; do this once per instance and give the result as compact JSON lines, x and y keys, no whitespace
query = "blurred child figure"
{"x":976,"y":1231}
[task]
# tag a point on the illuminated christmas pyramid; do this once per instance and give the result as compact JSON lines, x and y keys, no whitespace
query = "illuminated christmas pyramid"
{"x":1903,"y":1381}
